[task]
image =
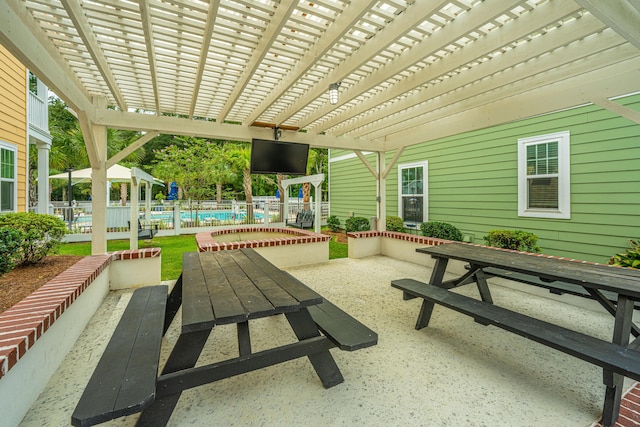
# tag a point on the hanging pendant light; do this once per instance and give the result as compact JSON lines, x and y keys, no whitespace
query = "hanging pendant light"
{"x":333,"y":93}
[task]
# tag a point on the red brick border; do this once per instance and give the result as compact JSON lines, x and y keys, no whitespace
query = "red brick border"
{"x":207,"y":243}
{"x":24,"y":323}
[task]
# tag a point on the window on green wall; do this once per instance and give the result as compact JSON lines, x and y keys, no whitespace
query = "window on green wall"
{"x":412,"y":203}
{"x":543,"y":176}
{"x":7,"y":178}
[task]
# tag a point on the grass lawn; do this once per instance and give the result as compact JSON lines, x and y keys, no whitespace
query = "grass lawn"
{"x":172,"y":249}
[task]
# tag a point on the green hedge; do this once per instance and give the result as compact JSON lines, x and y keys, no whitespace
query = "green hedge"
{"x":356,"y":223}
{"x":394,"y":223}
{"x":441,"y":230}
{"x":10,"y":242}
{"x":333,"y":222}
{"x":517,"y":240}
{"x":42,"y":234}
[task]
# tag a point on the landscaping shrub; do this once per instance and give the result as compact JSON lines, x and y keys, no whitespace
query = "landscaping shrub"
{"x":356,"y":223}
{"x":441,"y":230}
{"x":42,"y":234}
{"x":333,"y":223}
{"x":10,"y":242}
{"x":631,"y":257}
{"x":513,"y":239}
{"x":394,"y":223}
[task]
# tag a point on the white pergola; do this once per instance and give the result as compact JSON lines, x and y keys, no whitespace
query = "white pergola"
{"x":410,"y":71}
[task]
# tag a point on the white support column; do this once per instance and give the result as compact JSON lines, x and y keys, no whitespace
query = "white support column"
{"x":43,"y":176}
{"x":381,"y":193}
{"x":147,"y":202}
{"x":99,"y":201}
{"x":318,"y":196}
{"x":133,"y":220}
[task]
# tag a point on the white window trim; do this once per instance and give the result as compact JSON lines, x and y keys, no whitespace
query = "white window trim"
{"x":564,"y":194}
{"x":425,"y":187}
{"x":14,"y":148}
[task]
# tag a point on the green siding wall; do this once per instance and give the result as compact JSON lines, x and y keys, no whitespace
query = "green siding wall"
{"x":354,"y":188}
{"x":473,"y":182}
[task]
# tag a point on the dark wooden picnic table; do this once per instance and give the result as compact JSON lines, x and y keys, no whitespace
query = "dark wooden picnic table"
{"x":215,"y":288}
{"x":235,"y":287}
{"x":618,"y":358}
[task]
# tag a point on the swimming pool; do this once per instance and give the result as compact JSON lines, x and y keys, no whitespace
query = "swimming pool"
{"x":221,"y":216}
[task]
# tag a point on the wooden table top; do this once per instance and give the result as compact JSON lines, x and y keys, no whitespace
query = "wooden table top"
{"x":616,"y":279}
{"x":234,"y":286}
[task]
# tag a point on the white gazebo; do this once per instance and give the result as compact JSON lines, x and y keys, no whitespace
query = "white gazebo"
{"x":119,"y":173}
{"x":400,"y":72}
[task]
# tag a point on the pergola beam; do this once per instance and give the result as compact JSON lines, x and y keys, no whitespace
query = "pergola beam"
{"x":382,"y":39}
{"x":353,"y":13}
{"x":74,"y":10}
{"x":541,"y":100}
{"x":280,"y":17}
{"x":623,"y":16}
{"x":475,"y":18}
{"x":206,"y":129}
{"x":542,"y":70}
{"x":24,"y":38}
{"x":204,"y":52}
{"x":475,"y":51}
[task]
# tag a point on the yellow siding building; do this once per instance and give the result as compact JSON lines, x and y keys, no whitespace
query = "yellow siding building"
{"x":13,"y":134}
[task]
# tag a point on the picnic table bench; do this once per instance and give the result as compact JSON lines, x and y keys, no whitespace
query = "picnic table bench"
{"x":215,"y":288}
{"x":124,"y":381}
{"x":619,"y":358}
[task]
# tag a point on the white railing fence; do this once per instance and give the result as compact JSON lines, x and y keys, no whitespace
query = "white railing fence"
{"x":186,"y":217}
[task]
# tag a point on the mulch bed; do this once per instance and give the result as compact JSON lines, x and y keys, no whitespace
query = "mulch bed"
{"x":23,"y":280}
{"x":340,"y":236}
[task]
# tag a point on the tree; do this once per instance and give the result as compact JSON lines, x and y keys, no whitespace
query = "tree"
{"x":315,"y":165}
{"x":191,"y":164}
{"x":240,"y":157}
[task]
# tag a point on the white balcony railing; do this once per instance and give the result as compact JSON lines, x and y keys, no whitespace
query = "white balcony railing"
{"x":38,"y":113}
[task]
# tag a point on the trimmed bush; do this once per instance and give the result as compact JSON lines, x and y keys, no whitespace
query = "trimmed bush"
{"x":394,"y":223}
{"x":517,"y":240}
{"x":333,"y":223}
{"x":42,"y":234}
{"x":631,"y":257}
{"x":356,"y":223}
{"x":10,"y":243}
{"x":441,"y":230}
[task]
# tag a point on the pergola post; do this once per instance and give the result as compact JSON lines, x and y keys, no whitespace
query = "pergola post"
{"x":43,"y":174}
{"x":133,"y":217}
{"x":99,"y":194}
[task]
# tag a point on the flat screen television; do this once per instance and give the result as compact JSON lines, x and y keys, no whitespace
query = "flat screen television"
{"x":268,"y":157}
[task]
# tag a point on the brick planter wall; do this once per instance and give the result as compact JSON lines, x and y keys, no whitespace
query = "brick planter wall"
{"x":35,"y":334}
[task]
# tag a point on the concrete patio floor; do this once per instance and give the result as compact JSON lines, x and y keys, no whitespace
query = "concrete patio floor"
{"x":453,"y":373}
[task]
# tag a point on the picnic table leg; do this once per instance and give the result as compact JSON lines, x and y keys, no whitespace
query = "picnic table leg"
{"x":483,"y":287}
{"x":437,"y":274}
{"x":244,"y":339}
{"x":174,"y":302}
{"x":184,"y":355}
{"x":613,"y":381}
{"x":304,"y":327}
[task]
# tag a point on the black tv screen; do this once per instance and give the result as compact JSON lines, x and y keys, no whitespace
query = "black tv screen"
{"x":289,"y":158}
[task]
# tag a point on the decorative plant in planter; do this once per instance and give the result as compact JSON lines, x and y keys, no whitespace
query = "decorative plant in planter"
{"x":441,"y":230}
{"x":41,"y":234}
{"x":631,"y":257}
{"x":357,"y":223}
{"x":394,"y":223}
{"x":517,"y":240}
{"x":333,"y":222}
{"x":10,"y":242}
